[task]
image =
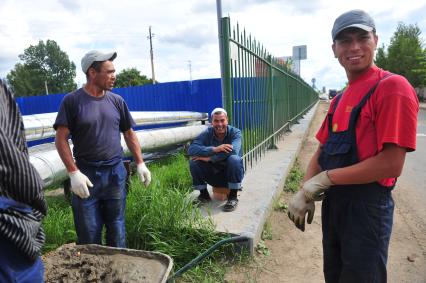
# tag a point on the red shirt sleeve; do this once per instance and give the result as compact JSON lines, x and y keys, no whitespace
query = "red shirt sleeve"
{"x":396,"y":113}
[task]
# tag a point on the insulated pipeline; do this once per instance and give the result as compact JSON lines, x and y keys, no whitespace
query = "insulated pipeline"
{"x":49,"y":165}
{"x":40,"y":126}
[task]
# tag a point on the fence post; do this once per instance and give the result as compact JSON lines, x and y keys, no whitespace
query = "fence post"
{"x":227,"y":94}
{"x":274,"y":103}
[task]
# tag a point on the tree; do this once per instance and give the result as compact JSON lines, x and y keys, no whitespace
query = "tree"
{"x":405,"y":55}
{"x":131,"y":77}
{"x":381,"y":58}
{"x":44,"y":64}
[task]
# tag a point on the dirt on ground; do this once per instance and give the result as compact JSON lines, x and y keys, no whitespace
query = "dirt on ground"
{"x":91,"y":263}
{"x":295,"y":256}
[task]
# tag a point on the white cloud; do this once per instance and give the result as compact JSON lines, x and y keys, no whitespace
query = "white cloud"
{"x":187,"y":30}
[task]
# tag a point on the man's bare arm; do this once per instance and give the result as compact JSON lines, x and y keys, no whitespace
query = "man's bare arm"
{"x":133,"y":145}
{"x":63,"y":148}
{"x":386,"y":164}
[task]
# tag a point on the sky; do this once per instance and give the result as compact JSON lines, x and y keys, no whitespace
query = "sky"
{"x":185,"y":41}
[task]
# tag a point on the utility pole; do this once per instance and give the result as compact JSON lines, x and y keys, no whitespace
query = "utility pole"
{"x":45,"y":86}
{"x":220,"y":36}
{"x":190,"y":70}
{"x":150,"y":36}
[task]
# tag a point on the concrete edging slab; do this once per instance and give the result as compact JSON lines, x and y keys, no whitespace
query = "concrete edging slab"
{"x":261,"y":186}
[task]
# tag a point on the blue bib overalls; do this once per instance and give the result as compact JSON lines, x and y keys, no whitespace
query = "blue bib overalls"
{"x":356,"y":219}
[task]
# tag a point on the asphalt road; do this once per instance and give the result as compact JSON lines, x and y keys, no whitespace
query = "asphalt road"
{"x":408,"y":242}
{"x":413,"y":178}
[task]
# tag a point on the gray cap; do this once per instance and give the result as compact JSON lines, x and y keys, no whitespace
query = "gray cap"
{"x":93,"y":56}
{"x":353,"y":18}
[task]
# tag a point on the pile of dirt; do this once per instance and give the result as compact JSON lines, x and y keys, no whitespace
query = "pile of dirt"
{"x":93,"y":263}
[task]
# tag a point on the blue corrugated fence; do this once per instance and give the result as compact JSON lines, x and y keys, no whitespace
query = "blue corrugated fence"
{"x":198,"y":95}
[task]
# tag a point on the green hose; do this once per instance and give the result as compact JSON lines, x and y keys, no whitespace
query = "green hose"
{"x":199,"y":258}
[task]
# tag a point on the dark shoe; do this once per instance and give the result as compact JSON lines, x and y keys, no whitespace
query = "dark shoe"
{"x":230,"y":205}
{"x":200,"y":200}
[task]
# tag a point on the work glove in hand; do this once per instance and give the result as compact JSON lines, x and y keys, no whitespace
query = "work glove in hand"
{"x":298,"y":208}
{"x":79,"y":184}
{"x":315,"y":187}
{"x":144,"y":174}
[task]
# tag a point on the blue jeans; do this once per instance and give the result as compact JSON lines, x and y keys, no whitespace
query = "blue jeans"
{"x":16,"y":266}
{"x":105,"y":206}
{"x":228,"y":173}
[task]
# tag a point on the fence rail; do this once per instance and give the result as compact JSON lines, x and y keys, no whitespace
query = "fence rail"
{"x":262,"y":97}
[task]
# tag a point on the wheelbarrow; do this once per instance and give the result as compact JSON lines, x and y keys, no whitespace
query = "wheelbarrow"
{"x":95,"y":263}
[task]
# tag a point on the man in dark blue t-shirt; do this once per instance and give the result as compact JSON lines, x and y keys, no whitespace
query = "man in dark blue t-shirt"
{"x":94,"y":117}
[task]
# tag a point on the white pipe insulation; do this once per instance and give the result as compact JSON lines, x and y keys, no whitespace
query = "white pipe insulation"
{"x":40,"y":126}
{"x":49,"y":165}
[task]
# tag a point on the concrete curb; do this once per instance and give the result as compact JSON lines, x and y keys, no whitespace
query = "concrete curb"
{"x":261,"y":186}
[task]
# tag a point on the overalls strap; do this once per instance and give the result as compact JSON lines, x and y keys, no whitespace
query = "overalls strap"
{"x":357,"y":109}
{"x":330,"y":115}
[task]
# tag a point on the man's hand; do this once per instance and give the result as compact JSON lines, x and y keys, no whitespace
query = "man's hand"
{"x":315,"y":187}
{"x":144,"y":174}
{"x":298,"y":208}
{"x":201,"y":158}
{"x":227,"y":148}
{"x":79,"y":184}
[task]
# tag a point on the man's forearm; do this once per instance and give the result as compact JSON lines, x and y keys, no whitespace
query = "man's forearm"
{"x":65,"y":154}
{"x":386,"y":164}
{"x":132,"y":143}
{"x":199,"y":150}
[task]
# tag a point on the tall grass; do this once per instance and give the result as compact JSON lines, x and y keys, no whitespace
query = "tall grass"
{"x":58,"y":224}
{"x":161,"y":217}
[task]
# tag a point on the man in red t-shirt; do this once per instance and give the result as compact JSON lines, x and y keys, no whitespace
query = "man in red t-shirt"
{"x":363,"y":142}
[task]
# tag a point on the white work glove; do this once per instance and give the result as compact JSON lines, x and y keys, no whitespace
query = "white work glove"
{"x":79,"y":184}
{"x":315,"y":187}
{"x":144,"y":174}
{"x":298,"y":208}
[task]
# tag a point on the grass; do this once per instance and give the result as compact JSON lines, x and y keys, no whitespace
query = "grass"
{"x":58,"y":224}
{"x":292,"y":184}
{"x":261,"y":247}
{"x":294,"y":178}
{"x":267,"y":231}
{"x":280,"y":206}
{"x":160,"y":218}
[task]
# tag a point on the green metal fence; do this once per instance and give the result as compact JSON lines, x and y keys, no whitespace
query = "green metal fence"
{"x":261,"y":96}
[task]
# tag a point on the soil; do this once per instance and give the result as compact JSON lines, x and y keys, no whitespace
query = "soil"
{"x":295,"y":256}
{"x":92,"y":263}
